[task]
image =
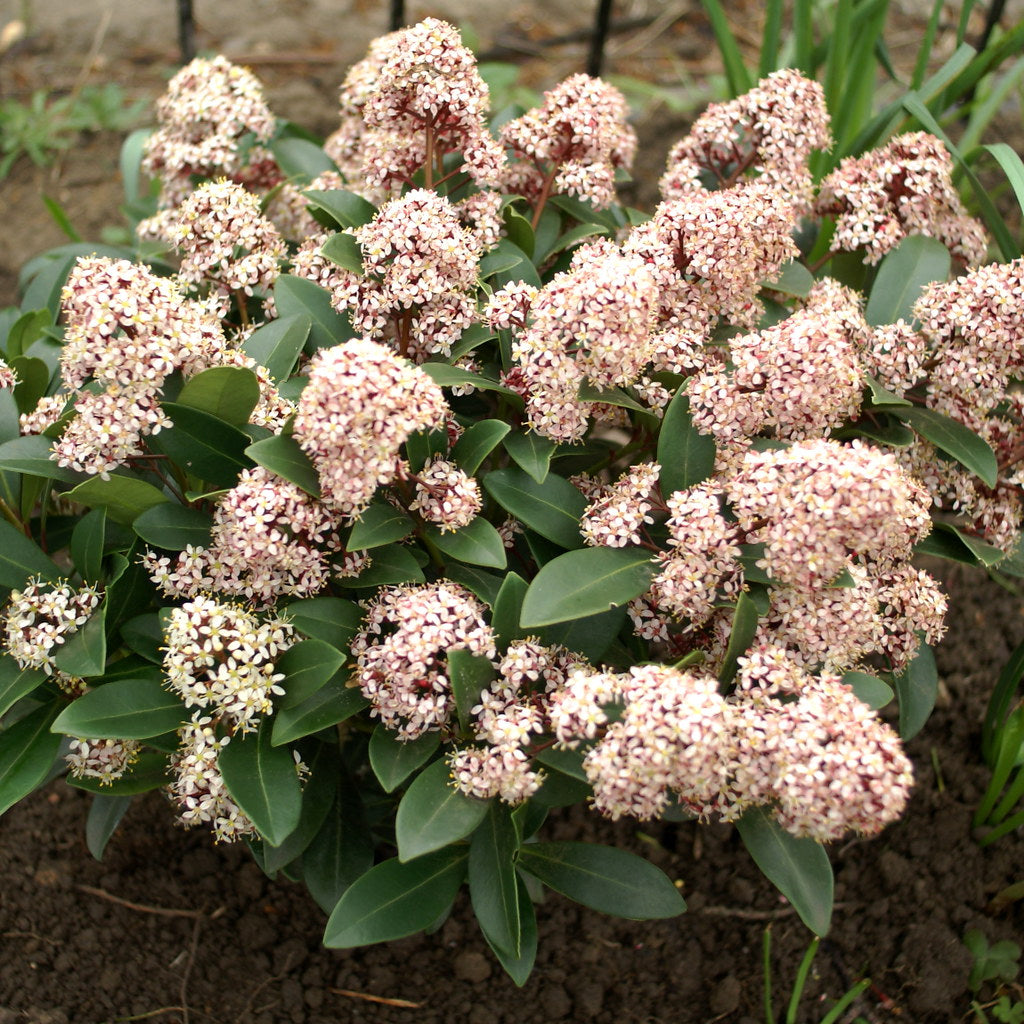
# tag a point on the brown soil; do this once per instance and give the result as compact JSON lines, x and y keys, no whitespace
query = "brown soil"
{"x":81,"y":941}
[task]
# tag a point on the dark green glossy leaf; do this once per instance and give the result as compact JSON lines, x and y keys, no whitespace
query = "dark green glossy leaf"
{"x":396,"y":898}
{"x":174,"y":527}
{"x":744,"y":626}
{"x":875,"y":692}
{"x":262,"y":780}
{"x":507,"y":606}
{"x":346,"y":209}
{"x":21,"y":558}
{"x":307,"y":666}
{"x":300,"y":159}
{"x":87,"y":542}
{"x":31,"y":455}
{"x":343,"y":250}
{"x":33,"y":380}
{"x":124,"y":497}
{"x":902,"y":275}
{"x":105,"y":814}
{"x":531,"y":452}
{"x":393,"y":760}
{"x":493,"y":884}
{"x":203,"y":445}
{"x":150,"y":772}
{"x":798,"y":868}
{"x":477,"y":443}
{"x":586,"y":582}
{"x":953,"y":438}
{"x":296,"y":295}
{"x":125,"y":709}
{"x":84,"y":653}
{"x":27,"y":752}
{"x":917,"y":687}
{"x":277,"y":345}
{"x":144,"y":635}
{"x":479,"y":543}
{"x":389,"y":565}
{"x":552,"y":509}
{"x":378,"y":524}
{"x":603,"y":878}
{"x":469,"y":674}
{"x":25,"y":330}
{"x":16,"y":682}
{"x":519,"y":968}
{"x":283,"y":456}
{"x":445,"y":376}
{"x":686,"y":456}
{"x":591,"y":635}
{"x":341,"y":851}
{"x":483,"y":584}
{"x":331,"y":619}
{"x":229,"y":393}
{"x":793,"y":278}
{"x":331,"y":704}
{"x":434,"y":814}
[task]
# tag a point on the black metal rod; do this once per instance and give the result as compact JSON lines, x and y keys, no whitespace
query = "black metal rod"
{"x":186,"y":31}
{"x":397,"y":15}
{"x":602,"y":21}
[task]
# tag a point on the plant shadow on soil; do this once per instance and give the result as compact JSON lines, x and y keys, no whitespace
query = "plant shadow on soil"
{"x":904,"y":900}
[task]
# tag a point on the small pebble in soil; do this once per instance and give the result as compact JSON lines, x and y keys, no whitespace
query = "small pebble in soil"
{"x":472,"y":966}
{"x":726,"y":996}
{"x":555,"y":1002}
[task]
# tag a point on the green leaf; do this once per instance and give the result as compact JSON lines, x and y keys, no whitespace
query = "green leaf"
{"x":262,"y":780}
{"x":1012,"y":167}
{"x":493,"y":884}
{"x":391,"y":565}
{"x":445,"y":376}
{"x":587,"y":392}
{"x":735,"y":70}
{"x":87,"y":541}
{"x":228,"y":392}
{"x":793,"y":279}
{"x":124,"y":497}
{"x":744,"y":626}
{"x":378,"y":524}
{"x":686,"y":456}
{"x":916,"y":688}
{"x":469,"y":674}
{"x":84,"y":653}
{"x":586,"y":582}
{"x":479,"y":543}
{"x":31,"y":456}
{"x":394,"y":760}
{"x":590,"y":636}
{"x":343,"y":250}
{"x":16,"y":682}
{"x":434,"y":814}
{"x":798,"y":868}
{"x":307,"y":666}
{"x":173,"y":527}
{"x":297,"y":295}
{"x":346,"y":209}
{"x":331,"y":619}
{"x":25,"y":330}
{"x":150,"y":772}
{"x":953,"y":438}
{"x":341,"y":851}
{"x":573,"y":237}
{"x":276,"y":345}
{"x":332,"y":703}
{"x":317,"y":799}
{"x":33,"y":381}
{"x":477,"y":443}
{"x":507,"y":606}
{"x":507,"y":263}
{"x":552,"y":509}
{"x":875,"y":692}
{"x":946,"y":541}
{"x":21,"y":558}
{"x":902,"y":275}
{"x":283,"y":456}
{"x":531,"y":452}
{"x":484,"y":585}
{"x":300,"y":159}
{"x":203,"y":445}
{"x":519,"y":968}
{"x":603,"y":878}
{"x":125,"y":709}
{"x":144,"y":635}
{"x":396,"y":899}
{"x":105,"y":814}
{"x":27,"y":752}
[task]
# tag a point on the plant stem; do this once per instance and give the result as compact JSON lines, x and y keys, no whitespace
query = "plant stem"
{"x":542,"y":199}
{"x":801,"y":981}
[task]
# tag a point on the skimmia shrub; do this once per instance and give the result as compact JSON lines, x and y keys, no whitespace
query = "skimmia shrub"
{"x":397,"y":492}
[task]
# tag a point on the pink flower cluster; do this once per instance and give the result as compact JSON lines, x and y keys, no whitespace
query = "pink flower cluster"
{"x":447,"y":496}
{"x":401,"y":652}
{"x":618,"y":512}
{"x":361,"y":404}
{"x":904,"y":188}
{"x":105,"y":760}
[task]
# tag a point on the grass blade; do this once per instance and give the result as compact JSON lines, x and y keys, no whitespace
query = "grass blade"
{"x":924,"y":54}
{"x":770,"y":39}
{"x":735,"y":70}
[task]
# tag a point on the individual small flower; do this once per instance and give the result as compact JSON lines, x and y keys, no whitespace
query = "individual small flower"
{"x":361,"y":404}
{"x":447,"y":496}
{"x":903,"y":188}
{"x":572,"y":144}
{"x":105,"y":760}
{"x":620,"y":512}
{"x":209,"y":106}
{"x":220,"y":657}
{"x":401,"y":652}
{"x":41,"y":617}
{"x":8,"y":378}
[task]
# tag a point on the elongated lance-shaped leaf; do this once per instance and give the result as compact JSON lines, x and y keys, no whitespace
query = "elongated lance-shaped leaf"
{"x":393,"y":760}
{"x":27,"y":753}
{"x":21,"y":557}
{"x":395,"y":899}
{"x":134,"y":708}
{"x":552,"y":509}
{"x":685,"y":455}
{"x":798,"y":868}
{"x":105,"y":814}
{"x":493,"y":884}
{"x":916,"y":262}
{"x":916,"y":689}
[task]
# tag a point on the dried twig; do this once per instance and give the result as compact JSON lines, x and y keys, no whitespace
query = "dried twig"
{"x":191,"y":959}
{"x":403,"y":1003}
{"x":144,"y":907}
{"x":742,"y":914}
